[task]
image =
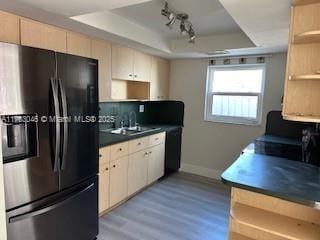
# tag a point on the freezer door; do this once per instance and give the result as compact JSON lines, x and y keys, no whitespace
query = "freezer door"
{"x":26,"y":91}
{"x":78,"y":80}
{"x":72,"y":214}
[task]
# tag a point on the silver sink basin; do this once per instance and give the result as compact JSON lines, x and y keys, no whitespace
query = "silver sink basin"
{"x":131,"y":130}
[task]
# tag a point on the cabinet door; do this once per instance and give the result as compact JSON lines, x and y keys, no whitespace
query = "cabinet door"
{"x":118,"y":180}
{"x":156,"y":163}
{"x":142,"y":67}
{"x":78,"y":44}
{"x":122,"y":62}
{"x":10,"y":29}
{"x":104,"y":181}
{"x":101,"y":51}
{"x":39,"y":35}
{"x":137,"y":171}
{"x":104,"y":155}
{"x":159,"y":85}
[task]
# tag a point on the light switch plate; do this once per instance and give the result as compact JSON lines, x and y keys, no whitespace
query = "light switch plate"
{"x":141,"y":108}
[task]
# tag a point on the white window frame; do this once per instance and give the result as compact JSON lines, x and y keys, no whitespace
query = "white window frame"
{"x":208,"y":116}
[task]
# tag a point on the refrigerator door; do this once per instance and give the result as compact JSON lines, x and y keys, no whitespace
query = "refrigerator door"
{"x":25,"y":92}
{"x":71,"y":214}
{"x":78,"y":81}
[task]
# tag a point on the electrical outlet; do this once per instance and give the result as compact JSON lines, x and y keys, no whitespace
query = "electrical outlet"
{"x":141,"y":108}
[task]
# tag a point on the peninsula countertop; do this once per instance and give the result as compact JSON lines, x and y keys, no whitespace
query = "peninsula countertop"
{"x":278,"y":177}
{"x":106,"y":139}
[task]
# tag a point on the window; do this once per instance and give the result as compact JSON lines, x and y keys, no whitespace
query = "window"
{"x":234,"y":94}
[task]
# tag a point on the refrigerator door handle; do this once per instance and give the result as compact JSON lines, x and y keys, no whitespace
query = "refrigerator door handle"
{"x":56,"y":141}
{"x":49,"y":208}
{"x":65,"y":124}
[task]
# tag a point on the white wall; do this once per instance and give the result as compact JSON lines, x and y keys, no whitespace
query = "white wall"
{"x":209,"y":148}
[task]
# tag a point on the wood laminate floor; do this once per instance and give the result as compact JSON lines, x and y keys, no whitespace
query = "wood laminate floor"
{"x":179,"y":207}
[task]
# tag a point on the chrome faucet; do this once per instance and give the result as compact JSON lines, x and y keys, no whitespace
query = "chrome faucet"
{"x":124,"y":120}
{"x":132,"y":113}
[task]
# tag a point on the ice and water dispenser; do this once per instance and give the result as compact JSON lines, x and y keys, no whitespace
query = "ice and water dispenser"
{"x":19,"y":137}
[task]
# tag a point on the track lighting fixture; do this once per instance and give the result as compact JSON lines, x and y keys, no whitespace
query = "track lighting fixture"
{"x":186,"y":27}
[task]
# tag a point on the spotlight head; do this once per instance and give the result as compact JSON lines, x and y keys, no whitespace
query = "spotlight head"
{"x":165,"y":11}
{"x":192,"y":35}
{"x":172,"y":19}
{"x":183,"y":29}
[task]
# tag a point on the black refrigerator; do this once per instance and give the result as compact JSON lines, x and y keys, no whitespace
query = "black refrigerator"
{"x":49,"y":108}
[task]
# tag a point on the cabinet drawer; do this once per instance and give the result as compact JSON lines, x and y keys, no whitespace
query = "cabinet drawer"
{"x":138,"y":144}
{"x":104,"y":155}
{"x":157,"y":139}
{"x":104,"y":168}
{"x":118,"y":150}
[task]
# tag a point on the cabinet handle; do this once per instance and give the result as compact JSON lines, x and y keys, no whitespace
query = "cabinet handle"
{"x":107,"y":169}
{"x":114,"y":166}
{"x":130,"y":75}
{"x":145,"y":153}
{"x":157,"y":139}
{"x":135,"y":75}
{"x":100,"y":155}
{"x":120,"y":149}
{"x":139,"y":144}
{"x":150,"y":152}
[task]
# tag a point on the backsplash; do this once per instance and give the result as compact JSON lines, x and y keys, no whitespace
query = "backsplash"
{"x":120,"y":111}
{"x":155,"y":112}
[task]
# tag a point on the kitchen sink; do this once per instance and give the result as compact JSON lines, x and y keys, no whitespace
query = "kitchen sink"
{"x":131,"y":131}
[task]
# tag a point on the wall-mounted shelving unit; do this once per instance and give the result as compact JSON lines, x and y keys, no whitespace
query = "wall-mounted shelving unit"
{"x":302,"y":88}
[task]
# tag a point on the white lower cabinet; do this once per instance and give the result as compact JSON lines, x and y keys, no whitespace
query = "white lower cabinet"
{"x":140,"y":163}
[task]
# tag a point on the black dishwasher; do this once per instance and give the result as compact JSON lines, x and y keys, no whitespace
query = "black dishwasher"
{"x":173,"y":150}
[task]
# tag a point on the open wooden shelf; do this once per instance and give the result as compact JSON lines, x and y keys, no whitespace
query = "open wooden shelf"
{"x":304,"y":2}
{"x":307,"y":37}
{"x":237,"y":236}
{"x":254,"y":233}
{"x":278,"y":225}
{"x":126,"y":90}
{"x":302,"y":118}
{"x":304,"y":77}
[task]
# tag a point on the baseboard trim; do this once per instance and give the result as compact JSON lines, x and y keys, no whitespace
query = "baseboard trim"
{"x":201,"y":171}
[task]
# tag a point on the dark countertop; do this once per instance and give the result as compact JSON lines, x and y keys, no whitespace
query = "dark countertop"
{"x":106,"y":139}
{"x":281,"y":140}
{"x":289,"y":180}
